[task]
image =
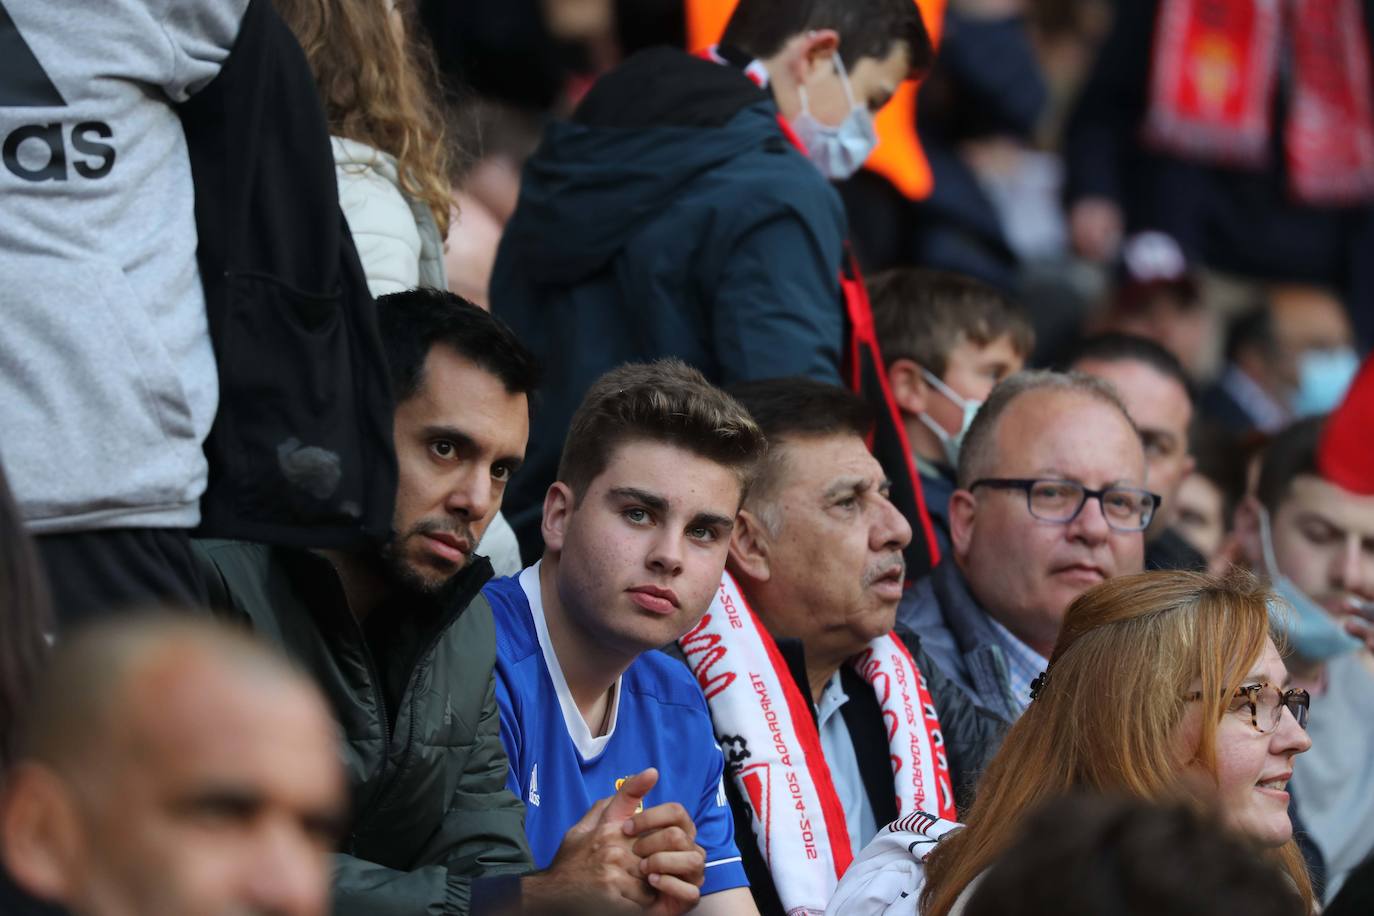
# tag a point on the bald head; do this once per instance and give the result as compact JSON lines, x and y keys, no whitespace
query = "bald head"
{"x":981,"y":446}
{"x":1060,"y":429}
{"x":84,"y":695}
{"x":174,"y":766}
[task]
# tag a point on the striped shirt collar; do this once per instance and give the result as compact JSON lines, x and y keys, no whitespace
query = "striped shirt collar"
{"x":1024,"y":664}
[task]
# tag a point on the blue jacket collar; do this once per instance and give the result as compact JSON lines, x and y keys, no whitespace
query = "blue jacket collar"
{"x":978,"y":642}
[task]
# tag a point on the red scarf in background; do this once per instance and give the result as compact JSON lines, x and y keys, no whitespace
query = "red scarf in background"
{"x":1215,"y":66}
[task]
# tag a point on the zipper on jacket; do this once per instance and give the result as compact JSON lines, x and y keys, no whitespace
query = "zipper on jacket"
{"x":385,"y":792}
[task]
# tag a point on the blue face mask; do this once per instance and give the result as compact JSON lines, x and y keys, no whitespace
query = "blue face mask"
{"x":1313,"y":634}
{"x":840,"y":151}
{"x":1323,"y":378}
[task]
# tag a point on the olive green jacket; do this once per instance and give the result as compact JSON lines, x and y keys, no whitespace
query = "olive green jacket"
{"x":432,"y":820}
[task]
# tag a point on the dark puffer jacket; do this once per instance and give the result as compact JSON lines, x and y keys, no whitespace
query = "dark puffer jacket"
{"x":433,"y":824}
{"x":955,"y":631}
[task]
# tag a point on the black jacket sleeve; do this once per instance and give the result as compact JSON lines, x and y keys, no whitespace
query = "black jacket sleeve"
{"x":1104,"y":128}
{"x":971,"y":735}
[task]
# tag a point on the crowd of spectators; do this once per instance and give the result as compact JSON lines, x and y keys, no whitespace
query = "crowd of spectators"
{"x":745,"y":456}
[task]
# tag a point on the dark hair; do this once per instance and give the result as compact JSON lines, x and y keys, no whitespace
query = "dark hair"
{"x":1221,"y":458}
{"x":25,"y":615}
{"x":663,"y":401}
{"x":867,"y":28}
{"x":1091,"y":856}
{"x":413,"y":321}
{"x":1252,"y":329}
{"x":1291,"y":453}
{"x":1116,"y":347}
{"x":921,"y":315}
{"x":798,"y":408}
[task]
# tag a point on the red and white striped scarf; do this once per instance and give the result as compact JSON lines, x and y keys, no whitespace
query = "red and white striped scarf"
{"x":1215,"y":67}
{"x":773,"y":750}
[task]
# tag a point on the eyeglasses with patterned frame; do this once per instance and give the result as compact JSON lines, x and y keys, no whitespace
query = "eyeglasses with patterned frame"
{"x":1051,"y":500}
{"x":1266,"y":704}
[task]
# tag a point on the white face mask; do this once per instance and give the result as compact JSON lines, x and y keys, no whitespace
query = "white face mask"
{"x":840,"y":151}
{"x":951,"y":443}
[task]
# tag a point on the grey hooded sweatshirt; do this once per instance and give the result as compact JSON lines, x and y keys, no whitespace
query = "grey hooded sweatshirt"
{"x":107,"y":377}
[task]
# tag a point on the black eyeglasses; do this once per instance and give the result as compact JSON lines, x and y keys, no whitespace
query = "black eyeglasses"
{"x":1266,"y":704}
{"x":1060,"y":501}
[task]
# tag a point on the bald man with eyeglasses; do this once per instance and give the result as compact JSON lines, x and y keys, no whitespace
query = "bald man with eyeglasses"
{"x":1052,"y":499}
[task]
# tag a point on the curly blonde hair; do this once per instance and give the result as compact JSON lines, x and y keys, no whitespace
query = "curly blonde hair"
{"x":377,"y":89}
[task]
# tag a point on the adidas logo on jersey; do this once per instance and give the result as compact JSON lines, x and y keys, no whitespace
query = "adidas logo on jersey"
{"x":532,"y":796}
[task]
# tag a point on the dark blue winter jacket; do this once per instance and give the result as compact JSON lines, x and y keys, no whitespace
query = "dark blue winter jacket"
{"x":670,"y":217}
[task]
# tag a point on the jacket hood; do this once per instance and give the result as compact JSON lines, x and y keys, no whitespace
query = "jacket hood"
{"x":359,"y":156}
{"x":645,"y":131}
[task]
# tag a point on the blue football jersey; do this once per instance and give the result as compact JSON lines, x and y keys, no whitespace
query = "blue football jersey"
{"x":658,"y":718}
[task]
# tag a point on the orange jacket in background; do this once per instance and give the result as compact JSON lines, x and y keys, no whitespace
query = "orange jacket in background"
{"x":898,"y":156}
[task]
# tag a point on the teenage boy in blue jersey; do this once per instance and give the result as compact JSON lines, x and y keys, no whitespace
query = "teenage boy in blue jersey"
{"x":636,"y":531}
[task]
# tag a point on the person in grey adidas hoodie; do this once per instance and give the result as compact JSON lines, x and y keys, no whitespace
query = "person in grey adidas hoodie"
{"x":107,"y":377}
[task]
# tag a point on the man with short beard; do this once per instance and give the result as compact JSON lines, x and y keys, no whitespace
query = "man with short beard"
{"x":403,"y":644}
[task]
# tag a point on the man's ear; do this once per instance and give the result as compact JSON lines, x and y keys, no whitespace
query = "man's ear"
{"x":559,"y":504}
{"x":910,"y":389}
{"x":749,"y":546}
{"x":1189,"y":465}
{"x":816,"y":49}
{"x":1247,"y":530}
{"x":963,"y":507}
{"x":40,"y":832}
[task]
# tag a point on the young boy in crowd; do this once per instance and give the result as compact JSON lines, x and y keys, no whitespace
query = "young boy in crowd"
{"x":946,"y":341}
{"x":636,"y":530}
{"x":686,"y":209}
